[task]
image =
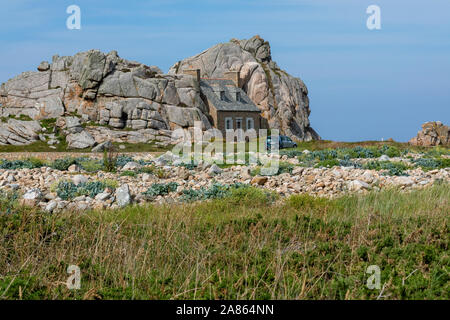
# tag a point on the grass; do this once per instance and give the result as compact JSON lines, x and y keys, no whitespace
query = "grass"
{"x":244,"y":246}
{"x":327,"y":144}
{"x":41,"y":146}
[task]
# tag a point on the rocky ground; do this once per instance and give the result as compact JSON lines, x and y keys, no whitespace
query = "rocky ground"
{"x":152,"y":178}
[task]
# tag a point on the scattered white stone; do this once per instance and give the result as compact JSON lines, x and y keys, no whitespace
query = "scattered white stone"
{"x":73,"y":168}
{"x":131,"y":166}
{"x":79,"y":179}
{"x":356,"y":185}
{"x":123,"y":197}
{"x":33,"y":194}
{"x":214,"y":170}
{"x":103,"y":196}
{"x":404,"y":181}
{"x":51,"y":206}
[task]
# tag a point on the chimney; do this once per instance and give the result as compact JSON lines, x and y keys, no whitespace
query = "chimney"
{"x":193,"y":72}
{"x":233,"y":76}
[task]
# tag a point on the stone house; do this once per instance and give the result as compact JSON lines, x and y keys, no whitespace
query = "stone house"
{"x":229,"y":106}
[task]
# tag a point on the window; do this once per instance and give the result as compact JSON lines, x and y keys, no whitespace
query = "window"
{"x":238,"y":96}
{"x":238,"y":123}
{"x":221,"y":95}
{"x":250,"y":123}
{"x":228,"y":123}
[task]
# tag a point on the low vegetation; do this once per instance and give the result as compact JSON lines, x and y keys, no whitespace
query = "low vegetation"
{"x":240,"y":244}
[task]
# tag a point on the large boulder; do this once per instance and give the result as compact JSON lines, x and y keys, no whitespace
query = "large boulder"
{"x":80,"y":140}
{"x":18,"y":132}
{"x":432,"y":134}
{"x":282,"y":98}
{"x":123,"y":196}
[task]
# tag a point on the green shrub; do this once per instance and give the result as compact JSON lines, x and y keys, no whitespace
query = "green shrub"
{"x":188,"y":165}
{"x":63,"y":164}
{"x":390,"y":151}
{"x":90,"y":189}
{"x":247,"y":195}
{"x":160,"y":189}
{"x":393,"y":168}
{"x":21,"y":164}
{"x":128,"y":173}
{"x":8,"y":201}
{"x":110,"y":160}
{"x":349,"y":163}
{"x":283,"y":167}
{"x":90,"y":165}
{"x":431,"y":164}
{"x":215,"y":191}
{"x":159,"y":172}
{"x":328,"y":163}
{"x":122,"y":160}
{"x":306,"y":201}
{"x":67,"y":190}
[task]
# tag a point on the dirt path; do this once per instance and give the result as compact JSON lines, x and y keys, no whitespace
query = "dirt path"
{"x":59,"y":155}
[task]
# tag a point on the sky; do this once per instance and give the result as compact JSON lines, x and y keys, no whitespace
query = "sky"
{"x":363,"y":84}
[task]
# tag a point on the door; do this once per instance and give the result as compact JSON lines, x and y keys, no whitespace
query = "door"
{"x":238,"y":123}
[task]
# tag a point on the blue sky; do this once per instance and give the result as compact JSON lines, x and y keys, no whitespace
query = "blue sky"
{"x":363,"y":85}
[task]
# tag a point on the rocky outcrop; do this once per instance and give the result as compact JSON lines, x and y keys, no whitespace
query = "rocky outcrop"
{"x":282,"y":98}
{"x":17,"y":132}
{"x":432,"y":134}
{"x":107,"y":89}
{"x":122,"y":94}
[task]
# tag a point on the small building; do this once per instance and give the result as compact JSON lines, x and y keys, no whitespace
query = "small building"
{"x":229,"y":106}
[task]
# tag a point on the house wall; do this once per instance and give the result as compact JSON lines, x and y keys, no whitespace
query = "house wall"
{"x":221,"y":115}
{"x":218,"y":118}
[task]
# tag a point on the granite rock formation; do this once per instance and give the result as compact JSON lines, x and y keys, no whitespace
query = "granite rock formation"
{"x":282,"y":98}
{"x":432,"y":134}
{"x":122,"y":95}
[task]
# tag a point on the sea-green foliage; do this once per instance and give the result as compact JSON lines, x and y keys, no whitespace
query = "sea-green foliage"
{"x":67,"y":190}
{"x":432,"y":163}
{"x":160,"y":189}
{"x":346,"y":153}
{"x":123,"y":160}
{"x":215,"y":191}
{"x":63,"y":164}
{"x":349,"y":163}
{"x":29,"y":163}
{"x":188,"y":165}
{"x":393,"y":168}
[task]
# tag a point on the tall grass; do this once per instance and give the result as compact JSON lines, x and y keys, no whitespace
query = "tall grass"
{"x":246,"y":246}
